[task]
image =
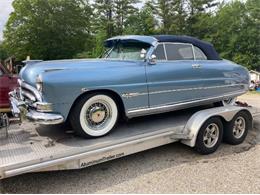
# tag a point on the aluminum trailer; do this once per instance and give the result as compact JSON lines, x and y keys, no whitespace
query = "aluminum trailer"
{"x":33,"y":148}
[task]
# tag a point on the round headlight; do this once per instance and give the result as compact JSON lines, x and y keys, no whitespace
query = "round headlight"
{"x":39,"y":83}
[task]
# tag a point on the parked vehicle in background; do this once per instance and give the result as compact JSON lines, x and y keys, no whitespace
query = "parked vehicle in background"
{"x":138,"y":75}
{"x":252,"y":86}
{"x":8,"y":82}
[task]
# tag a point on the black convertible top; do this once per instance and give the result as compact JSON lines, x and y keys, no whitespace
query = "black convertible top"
{"x":206,"y":47}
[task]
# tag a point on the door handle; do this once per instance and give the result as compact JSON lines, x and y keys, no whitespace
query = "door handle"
{"x":196,"y":66}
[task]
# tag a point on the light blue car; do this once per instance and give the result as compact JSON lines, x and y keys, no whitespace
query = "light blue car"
{"x":136,"y":76}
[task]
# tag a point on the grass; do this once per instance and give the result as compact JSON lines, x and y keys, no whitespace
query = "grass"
{"x":253,"y":93}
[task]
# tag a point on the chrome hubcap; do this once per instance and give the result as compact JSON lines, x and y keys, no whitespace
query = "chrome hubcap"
{"x":239,"y":127}
{"x":211,"y":135}
{"x":98,"y":115}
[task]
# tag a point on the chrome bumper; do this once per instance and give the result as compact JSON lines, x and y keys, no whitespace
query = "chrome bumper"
{"x":20,"y":109}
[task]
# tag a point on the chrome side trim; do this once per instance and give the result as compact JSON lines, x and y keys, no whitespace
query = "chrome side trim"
{"x":175,"y":106}
{"x":134,"y":94}
{"x":195,"y":88}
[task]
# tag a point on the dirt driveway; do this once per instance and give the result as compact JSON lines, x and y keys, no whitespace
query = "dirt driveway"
{"x":173,"y":168}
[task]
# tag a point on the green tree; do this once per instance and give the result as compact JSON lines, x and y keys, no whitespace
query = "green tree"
{"x":3,"y":52}
{"x":47,"y":29}
{"x":103,"y":17}
{"x":235,"y":32}
{"x":141,"y":22}
{"x":198,"y":13}
{"x":123,"y":9}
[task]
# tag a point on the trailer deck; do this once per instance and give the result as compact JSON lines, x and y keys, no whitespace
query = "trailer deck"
{"x":31,"y":147}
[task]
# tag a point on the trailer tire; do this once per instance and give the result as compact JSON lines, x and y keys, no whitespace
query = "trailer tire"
{"x":236,"y":130}
{"x":94,"y":115}
{"x":210,"y":136}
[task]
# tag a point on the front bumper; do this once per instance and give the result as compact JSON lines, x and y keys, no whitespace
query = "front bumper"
{"x":20,"y":109}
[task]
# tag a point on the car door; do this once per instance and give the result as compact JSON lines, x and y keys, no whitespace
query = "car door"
{"x":174,"y":78}
{"x":215,"y":76}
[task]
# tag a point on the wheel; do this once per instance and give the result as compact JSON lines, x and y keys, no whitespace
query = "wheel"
{"x":94,"y":115}
{"x":236,"y":130}
{"x":210,"y":136}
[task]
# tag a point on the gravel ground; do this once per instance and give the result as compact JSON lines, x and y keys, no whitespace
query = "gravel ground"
{"x":173,"y":168}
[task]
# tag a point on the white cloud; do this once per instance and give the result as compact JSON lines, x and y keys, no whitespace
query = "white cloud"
{"x":5,"y":9}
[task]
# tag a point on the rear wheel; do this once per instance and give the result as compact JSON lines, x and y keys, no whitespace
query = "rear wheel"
{"x":94,"y":115}
{"x":210,"y":136}
{"x":237,"y":129}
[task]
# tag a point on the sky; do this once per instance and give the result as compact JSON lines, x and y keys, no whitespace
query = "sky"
{"x":5,"y":9}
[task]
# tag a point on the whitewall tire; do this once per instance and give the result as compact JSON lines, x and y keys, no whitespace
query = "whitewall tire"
{"x":94,"y":115}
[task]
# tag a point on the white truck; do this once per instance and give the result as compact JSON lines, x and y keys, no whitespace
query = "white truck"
{"x":29,"y":147}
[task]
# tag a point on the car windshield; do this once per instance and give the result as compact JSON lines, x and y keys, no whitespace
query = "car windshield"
{"x":127,"y":51}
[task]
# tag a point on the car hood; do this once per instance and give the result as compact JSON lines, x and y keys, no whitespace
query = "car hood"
{"x":31,"y":71}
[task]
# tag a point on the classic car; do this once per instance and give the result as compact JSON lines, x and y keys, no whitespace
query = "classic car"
{"x":136,"y":76}
{"x":8,"y":82}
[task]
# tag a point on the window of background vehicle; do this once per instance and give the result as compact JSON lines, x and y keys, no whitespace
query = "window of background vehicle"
{"x":159,"y":52}
{"x":199,"y":54}
{"x":179,"y":51}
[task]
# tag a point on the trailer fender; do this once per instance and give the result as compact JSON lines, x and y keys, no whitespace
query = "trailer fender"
{"x":195,"y":122}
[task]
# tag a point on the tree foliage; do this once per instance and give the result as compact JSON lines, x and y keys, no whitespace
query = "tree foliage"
{"x":235,"y":32}
{"x":56,"y":29}
{"x":47,"y":29}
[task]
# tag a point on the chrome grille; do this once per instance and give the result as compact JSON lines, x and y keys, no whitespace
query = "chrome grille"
{"x":29,"y":93}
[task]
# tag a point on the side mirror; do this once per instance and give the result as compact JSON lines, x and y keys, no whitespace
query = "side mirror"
{"x":152,"y":59}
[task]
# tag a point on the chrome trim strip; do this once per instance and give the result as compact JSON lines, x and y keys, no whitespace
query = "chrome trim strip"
{"x":171,"y":106}
{"x":134,"y":94}
{"x":28,"y":95}
{"x":195,"y":88}
{"x":165,"y":54}
{"x":35,"y":91}
{"x":193,"y":51}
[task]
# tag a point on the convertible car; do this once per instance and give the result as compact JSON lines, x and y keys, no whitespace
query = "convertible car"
{"x":136,"y":76}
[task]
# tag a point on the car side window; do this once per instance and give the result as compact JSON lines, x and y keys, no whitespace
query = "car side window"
{"x":179,"y":51}
{"x":199,"y":54}
{"x":159,"y":52}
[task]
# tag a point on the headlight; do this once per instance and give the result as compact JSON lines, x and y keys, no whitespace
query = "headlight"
{"x":39,"y":83}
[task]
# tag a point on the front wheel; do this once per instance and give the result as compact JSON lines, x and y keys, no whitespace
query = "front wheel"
{"x":94,"y":115}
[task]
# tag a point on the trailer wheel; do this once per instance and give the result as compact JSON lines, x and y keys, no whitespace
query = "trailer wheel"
{"x":94,"y":115}
{"x":210,"y":136}
{"x":236,"y":130}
